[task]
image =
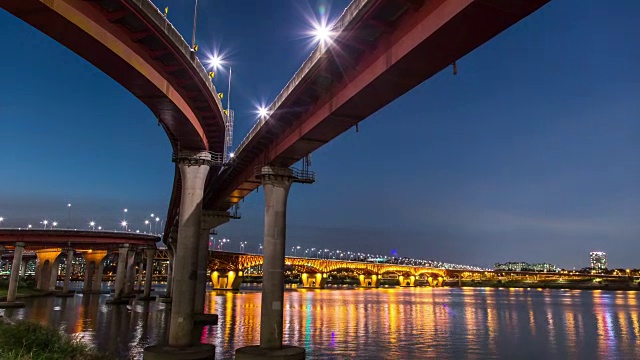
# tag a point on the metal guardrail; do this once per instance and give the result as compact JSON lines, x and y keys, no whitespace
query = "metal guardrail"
{"x":349,"y":13}
{"x":298,"y":175}
{"x":162,"y":22}
{"x":198,"y":157}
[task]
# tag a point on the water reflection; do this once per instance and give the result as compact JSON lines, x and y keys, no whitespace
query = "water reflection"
{"x":421,"y":323}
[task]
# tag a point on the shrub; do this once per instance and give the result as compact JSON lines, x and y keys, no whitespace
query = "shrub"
{"x":26,"y":340}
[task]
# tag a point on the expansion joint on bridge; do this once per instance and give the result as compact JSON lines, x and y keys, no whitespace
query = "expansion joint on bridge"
{"x":197,"y":158}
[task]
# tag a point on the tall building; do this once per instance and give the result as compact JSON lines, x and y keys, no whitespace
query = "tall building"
{"x":598,"y":260}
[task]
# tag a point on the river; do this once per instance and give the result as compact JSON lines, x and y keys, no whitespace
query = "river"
{"x":385,"y":323}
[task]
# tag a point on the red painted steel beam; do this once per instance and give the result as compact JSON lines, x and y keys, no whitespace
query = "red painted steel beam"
{"x":79,"y":239}
{"x":425,"y":41}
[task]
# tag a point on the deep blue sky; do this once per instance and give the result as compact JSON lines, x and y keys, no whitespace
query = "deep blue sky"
{"x":529,"y":153}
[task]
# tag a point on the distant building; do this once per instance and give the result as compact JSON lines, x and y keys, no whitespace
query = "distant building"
{"x":598,"y":260}
{"x":523,"y":266}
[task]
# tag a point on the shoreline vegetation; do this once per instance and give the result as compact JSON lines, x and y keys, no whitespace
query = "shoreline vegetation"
{"x":25,"y":340}
{"x":26,"y":289}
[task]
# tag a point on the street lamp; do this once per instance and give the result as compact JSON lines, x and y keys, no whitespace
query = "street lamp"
{"x":93,"y":225}
{"x":45,"y":222}
{"x":260,"y":248}
{"x":54,"y":224}
{"x":124,"y":224}
{"x":146,"y":222}
{"x":125,"y":214}
{"x":69,"y":217}
{"x":1,"y":220}
{"x":158,"y":219}
{"x":242,"y":244}
{"x":99,"y":227}
{"x":29,"y":226}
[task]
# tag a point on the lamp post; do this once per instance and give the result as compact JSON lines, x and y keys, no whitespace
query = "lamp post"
{"x":147,"y":222}
{"x":260,"y":249}
{"x":54,"y":224}
{"x":124,"y":225}
{"x":45,"y":222}
{"x":242,"y":244}
{"x":1,"y":220}
{"x":93,"y":225}
{"x":69,"y":216}
{"x":29,"y":226}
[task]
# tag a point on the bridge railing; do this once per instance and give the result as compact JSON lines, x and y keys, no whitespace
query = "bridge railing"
{"x":299,"y":175}
{"x":162,"y":22}
{"x":354,"y":8}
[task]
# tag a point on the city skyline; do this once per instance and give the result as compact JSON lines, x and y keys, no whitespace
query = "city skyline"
{"x":458,"y":179}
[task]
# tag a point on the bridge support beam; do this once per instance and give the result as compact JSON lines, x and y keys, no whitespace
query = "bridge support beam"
{"x":148,"y":276}
{"x":93,"y":270}
{"x":13,"y":278}
{"x":435,"y":282}
{"x":210,"y":220}
{"x":193,"y":169}
{"x":276,"y":183}
{"x":130,"y":279}
{"x":407,"y":281}
{"x":166,"y":298}
{"x":67,"y":273}
{"x":45,"y":268}
{"x":228,"y":281}
{"x":23,"y":268}
{"x":314,"y":281}
{"x":121,"y":272}
{"x":369,"y":281}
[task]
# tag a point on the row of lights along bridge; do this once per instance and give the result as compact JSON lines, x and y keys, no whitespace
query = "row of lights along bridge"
{"x":151,"y":225}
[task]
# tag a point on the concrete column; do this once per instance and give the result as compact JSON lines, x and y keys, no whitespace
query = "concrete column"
{"x":210,"y":220}
{"x":96,"y":287}
{"x":121,"y":272}
{"x":193,"y":169}
{"x":169,"y":276}
{"x":89,"y":269}
{"x":148,"y":274}
{"x":55,"y":270}
{"x":23,"y":268}
{"x":276,"y":190}
{"x":15,"y":271}
{"x":131,"y":273}
{"x":139,"y":277}
{"x":67,"y":272}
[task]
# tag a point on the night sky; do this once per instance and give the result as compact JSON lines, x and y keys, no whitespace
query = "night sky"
{"x":530,"y":153}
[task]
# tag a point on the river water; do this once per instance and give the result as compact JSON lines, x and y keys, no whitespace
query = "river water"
{"x":385,"y":323}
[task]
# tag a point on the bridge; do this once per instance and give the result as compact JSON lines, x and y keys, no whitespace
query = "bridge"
{"x":379,"y":50}
{"x":228,"y":269}
{"x":135,"y":44}
{"x":94,"y":246}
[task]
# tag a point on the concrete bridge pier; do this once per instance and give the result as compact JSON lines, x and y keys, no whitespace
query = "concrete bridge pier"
{"x":130,"y":279}
{"x":229,"y":281}
{"x":435,"y":282}
{"x":121,"y":271}
{"x":47,"y":269}
{"x":166,"y":297}
{"x":93,"y":260}
{"x":314,"y":281}
{"x":67,"y":275}
{"x":194,"y":167}
{"x":210,"y":220}
{"x":148,"y":276}
{"x":13,"y":279}
{"x":369,"y":281}
{"x":276,"y":183}
{"x":407,"y":281}
{"x":23,"y":268}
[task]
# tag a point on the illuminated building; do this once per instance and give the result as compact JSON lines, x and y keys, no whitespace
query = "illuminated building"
{"x":598,"y":260}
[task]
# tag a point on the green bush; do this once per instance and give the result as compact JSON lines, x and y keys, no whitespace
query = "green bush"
{"x":26,"y":340}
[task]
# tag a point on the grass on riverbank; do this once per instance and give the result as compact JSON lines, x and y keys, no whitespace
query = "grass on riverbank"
{"x":26,"y":340}
{"x":25,"y":288}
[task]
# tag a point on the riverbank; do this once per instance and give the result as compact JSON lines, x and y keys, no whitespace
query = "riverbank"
{"x":560,"y":285}
{"x":24,"y":340}
{"x":26,"y":289}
